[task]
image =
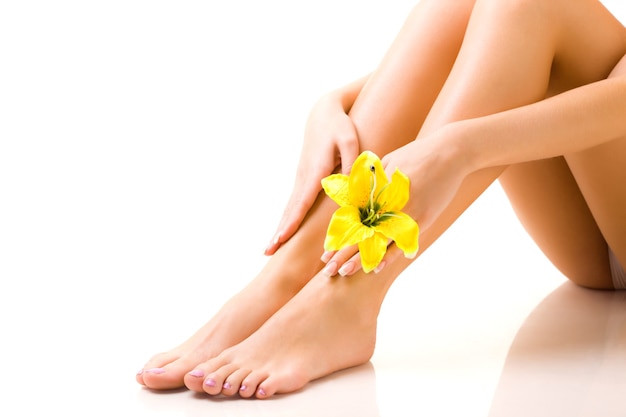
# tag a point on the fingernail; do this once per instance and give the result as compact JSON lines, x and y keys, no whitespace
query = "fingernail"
{"x":330,"y":269}
{"x":243,"y":388}
{"x":196,"y":372}
{"x":326,"y":256}
{"x":346,"y":269}
{"x":156,"y":371}
{"x":227,"y":385}
{"x":380,"y":267}
{"x":209,"y":382}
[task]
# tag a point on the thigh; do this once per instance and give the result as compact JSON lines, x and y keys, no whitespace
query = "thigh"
{"x":552,"y":209}
{"x":600,"y":172}
{"x":390,"y":110}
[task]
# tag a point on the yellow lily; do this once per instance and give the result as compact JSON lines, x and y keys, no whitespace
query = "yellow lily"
{"x":369,"y":211}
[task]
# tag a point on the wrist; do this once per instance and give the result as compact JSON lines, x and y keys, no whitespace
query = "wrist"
{"x":463,"y":143}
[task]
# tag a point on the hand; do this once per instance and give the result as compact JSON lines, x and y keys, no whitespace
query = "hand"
{"x":330,"y":144}
{"x":436,"y":169}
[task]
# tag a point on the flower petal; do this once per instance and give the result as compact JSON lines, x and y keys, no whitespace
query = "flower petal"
{"x":345,"y":229}
{"x":336,"y":187}
{"x":402,"y":229}
{"x":372,"y":251}
{"x":366,"y":172}
{"x":396,"y":195}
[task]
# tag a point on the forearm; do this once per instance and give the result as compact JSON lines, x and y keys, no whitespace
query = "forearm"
{"x":569,"y":122}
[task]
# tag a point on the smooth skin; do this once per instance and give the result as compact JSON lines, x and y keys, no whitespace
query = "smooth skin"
{"x":530,"y":92}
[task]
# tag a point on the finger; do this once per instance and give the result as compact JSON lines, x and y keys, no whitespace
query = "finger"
{"x":347,"y":265}
{"x":393,"y":253}
{"x":351,"y":266}
{"x":348,"y":151}
{"x":299,"y":203}
{"x":339,"y":260}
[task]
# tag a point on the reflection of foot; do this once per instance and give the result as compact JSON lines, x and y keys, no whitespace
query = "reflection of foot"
{"x":328,"y":326}
{"x":237,"y":319}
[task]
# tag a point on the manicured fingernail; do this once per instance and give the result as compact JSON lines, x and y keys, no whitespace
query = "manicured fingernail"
{"x":326,"y":256}
{"x":330,"y":269}
{"x":261,"y":392}
{"x":197,"y":372}
{"x":155,"y":371}
{"x":380,"y":267}
{"x":227,"y":385}
{"x":209,"y":382}
{"x":346,"y":269}
{"x":243,"y":388}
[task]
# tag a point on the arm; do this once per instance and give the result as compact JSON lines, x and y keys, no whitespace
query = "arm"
{"x":438,"y":163}
{"x":569,"y":122}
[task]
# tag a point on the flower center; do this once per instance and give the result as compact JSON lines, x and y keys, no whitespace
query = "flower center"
{"x":370,"y":214}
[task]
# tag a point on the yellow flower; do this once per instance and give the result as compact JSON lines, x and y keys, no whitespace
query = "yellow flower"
{"x":369,"y":211}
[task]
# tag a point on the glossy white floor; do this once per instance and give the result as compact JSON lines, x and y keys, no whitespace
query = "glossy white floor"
{"x":147,"y":151}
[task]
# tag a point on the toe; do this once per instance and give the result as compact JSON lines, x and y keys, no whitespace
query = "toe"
{"x":156,"y":362}
{"x":280,"y":383}
{"x":214,"y":382}
{"x":166,"y":375}
{"x":232,"y":385}
{"x":250,"y":383}
{"x":199,"y":378}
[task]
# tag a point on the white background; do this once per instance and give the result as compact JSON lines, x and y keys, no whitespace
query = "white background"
{"x":147,"y":149}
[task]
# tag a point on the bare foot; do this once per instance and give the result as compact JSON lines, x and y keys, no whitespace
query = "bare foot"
{"x":286,"y":272}
{"x":328,"y":326}
{"x":237,"y":319}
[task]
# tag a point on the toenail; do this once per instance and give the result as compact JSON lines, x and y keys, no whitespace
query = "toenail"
{"x":156,"y":371}
{"x":209,"y":382}
{"x":243,"y":388}
{"x":140,"y":372}
{"x":261,"y":392}
{"x":227,"y":385}
{"x":196,"y":372}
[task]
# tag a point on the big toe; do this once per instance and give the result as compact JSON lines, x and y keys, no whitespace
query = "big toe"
{"x":165,"y":374}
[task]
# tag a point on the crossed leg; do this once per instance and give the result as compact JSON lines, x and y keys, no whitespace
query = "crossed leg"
{"x":330,"y":324}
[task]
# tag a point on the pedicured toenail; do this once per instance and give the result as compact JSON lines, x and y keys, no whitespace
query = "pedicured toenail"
{"x":262,"y":392}
{"x":155,"y":371}
{"x":209,"y":382}
{"x":196,"y":372}
{"x":243,"y":388}
{"x":140,"y":372}
{"x":227,"y":385}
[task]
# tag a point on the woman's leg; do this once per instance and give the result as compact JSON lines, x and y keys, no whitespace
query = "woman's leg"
{"x":573,"y":205}
{"x":294,"y":265}
{"x":506,"y":61}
